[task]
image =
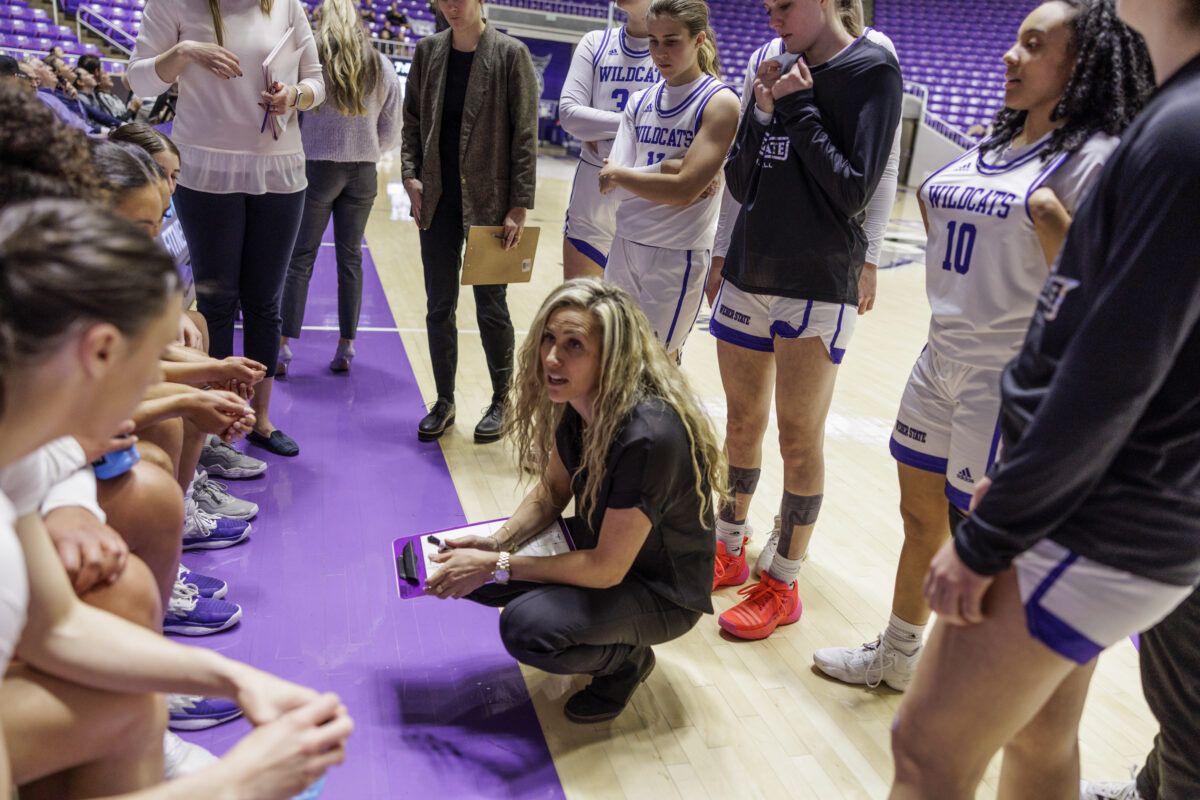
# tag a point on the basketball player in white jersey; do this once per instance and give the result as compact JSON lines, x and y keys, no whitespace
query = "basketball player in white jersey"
{"x":996,"y":218}
{"x":609,"y":66}
{"x":666,"y":222}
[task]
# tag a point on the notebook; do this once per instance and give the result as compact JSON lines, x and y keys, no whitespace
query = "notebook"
{"x":282,"y":65}
{"x":411,"y":553}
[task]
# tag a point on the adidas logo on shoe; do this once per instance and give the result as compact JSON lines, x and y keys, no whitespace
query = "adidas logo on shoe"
{"x":965,"y":475}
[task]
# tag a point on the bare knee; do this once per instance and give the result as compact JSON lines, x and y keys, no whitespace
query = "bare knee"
{"x":134,"y":596}
{"x":147,"y":508}
{"x":154,"y":455}
{"x":802,"y":451}
{"x":925,"y":520}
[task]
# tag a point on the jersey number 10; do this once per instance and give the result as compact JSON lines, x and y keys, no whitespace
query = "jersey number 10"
{"x":960,"y":248}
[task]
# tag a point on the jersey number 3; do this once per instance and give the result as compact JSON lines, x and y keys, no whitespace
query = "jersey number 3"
{"x":960,"y":248}
{"x":622,"y":97}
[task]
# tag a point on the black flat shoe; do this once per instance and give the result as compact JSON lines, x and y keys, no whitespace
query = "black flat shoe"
{"x":608,"y":695}
{"x":434,"y":424}
{"x":489,"y":428}
{"x":278,"y":443}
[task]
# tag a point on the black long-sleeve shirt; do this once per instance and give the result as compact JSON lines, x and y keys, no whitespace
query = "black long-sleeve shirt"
{"x":1101,"y":408}
{"x":805,"y":179}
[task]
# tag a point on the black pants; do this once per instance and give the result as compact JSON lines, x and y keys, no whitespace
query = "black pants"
{"x":347,"y":191}
{"x":240,"y":246}
{"x":1170,"y":661}
{"x":569,"y":630}
{"x":441,"y":256}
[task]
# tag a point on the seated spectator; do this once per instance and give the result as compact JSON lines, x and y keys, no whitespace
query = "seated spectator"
{"x":85,"y":89}
{"x":396,"y":16}
{"x":57,"y":52}
{"x":10,"y":72}
{"x":607,"y":420}
{"x":47,"y":86}
{"x":88,"y":303}
{"x":114,"y":105}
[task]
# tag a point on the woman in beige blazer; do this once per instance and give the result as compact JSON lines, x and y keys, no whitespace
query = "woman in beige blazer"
{"x":469,"y":153}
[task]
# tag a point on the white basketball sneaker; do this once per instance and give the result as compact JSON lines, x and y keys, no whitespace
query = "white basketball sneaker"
{"x":870,"y":664}
{"x":763,"y":562}
{"x":1109,"y":790}
{"x":182,"y":758}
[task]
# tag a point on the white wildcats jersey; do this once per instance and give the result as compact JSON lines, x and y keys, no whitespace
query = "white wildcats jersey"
{"x":621,"y":67}
{"x":984,"y":266}
{"x":664,"y":120}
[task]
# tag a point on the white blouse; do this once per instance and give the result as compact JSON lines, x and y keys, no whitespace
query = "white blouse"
{"x":218,"y":121}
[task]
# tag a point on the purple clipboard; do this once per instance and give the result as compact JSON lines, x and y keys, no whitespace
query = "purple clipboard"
{"x":409,"y":553}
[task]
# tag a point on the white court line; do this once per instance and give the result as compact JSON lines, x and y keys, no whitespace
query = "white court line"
{"x":362,"y":246}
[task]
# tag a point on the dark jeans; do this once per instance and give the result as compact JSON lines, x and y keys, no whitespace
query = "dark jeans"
{"x":569,"y":630}
{"x":240,"y":246}
{"x":347,"y":191}
{"x":1170,"y":661}
{"x":441,"y":256}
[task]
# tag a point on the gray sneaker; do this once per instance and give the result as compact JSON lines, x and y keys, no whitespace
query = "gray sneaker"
{"x":224,"y":461}
{"x":213,"y":498}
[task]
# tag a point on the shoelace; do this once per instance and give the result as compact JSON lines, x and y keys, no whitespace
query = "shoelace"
{"x":184,"y":598}
{"x":877,"y":662}
{"x":759,"y":595}
{"x":213,"y":490}
{"x":207,"y":523}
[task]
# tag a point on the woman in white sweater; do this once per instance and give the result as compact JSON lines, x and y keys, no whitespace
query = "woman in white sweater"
{"x":342,"y":142}
{"x":241,"y":188}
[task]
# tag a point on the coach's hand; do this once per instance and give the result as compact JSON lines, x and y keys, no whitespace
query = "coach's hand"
{"x":866,"y":288}
{"x":954,"y":590}
{"x":514,"y":226}
{"x":416,"y":193}
{"x":797,"y":79}
{"x":463,"y":571}
{"x":214,"y":58}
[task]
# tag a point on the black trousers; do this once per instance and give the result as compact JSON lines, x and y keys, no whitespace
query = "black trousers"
{"x":240,"y":246}
{"x":1170,"y":661}
{"x":569,"y":630}
{"x":347,"y":191}
{"x":441,"y":257}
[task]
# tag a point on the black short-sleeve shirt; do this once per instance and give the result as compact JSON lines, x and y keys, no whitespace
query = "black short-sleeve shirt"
{"x":649,"y":467}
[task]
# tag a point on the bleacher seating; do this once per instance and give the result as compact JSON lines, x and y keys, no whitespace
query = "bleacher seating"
{"x":954,"y":49}
{"x":32,"y":29}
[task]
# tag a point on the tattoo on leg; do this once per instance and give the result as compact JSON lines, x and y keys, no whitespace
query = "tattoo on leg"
{"x":796,"y":510}
{"x":742,"y":480}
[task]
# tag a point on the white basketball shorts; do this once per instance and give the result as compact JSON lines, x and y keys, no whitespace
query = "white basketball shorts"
{"x":754,"y":321}
{"x":667,"y":284}
{"x":948,"y":423}
{"x":1078,"y":607}
{"x":591,"y":217}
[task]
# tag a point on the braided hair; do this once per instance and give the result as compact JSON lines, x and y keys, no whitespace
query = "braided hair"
{"x":1111,"y":81}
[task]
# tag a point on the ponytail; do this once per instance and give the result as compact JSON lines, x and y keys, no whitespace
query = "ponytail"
{"x":694,"y":16}
{"x":710,"y":62}
{"x":851,"y":14}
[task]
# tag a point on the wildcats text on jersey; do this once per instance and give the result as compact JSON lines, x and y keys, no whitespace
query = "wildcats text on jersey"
{"x":664,"y":137}
{"x":625,"y":74}
{"x":975,"y":199}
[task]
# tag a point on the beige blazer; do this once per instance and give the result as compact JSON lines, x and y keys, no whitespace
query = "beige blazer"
{"x":497,"y":153}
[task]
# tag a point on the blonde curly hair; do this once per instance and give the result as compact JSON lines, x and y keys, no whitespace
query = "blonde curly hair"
{"x":633,"y":367}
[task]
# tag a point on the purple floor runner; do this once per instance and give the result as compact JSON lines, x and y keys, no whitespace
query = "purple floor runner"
{"x":440,"y":709}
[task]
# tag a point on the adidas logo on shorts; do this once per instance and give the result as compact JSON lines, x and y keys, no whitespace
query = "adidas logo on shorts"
{"x":965,"y":475}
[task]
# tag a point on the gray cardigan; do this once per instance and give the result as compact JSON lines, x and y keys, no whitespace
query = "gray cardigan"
{"x":498,"y":148}
{"x":331,"y":136}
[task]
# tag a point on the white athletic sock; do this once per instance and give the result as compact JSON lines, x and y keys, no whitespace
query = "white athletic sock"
{"x":904,"y":636}
{"x":732,"y":535}
{"x":785,"y":569}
